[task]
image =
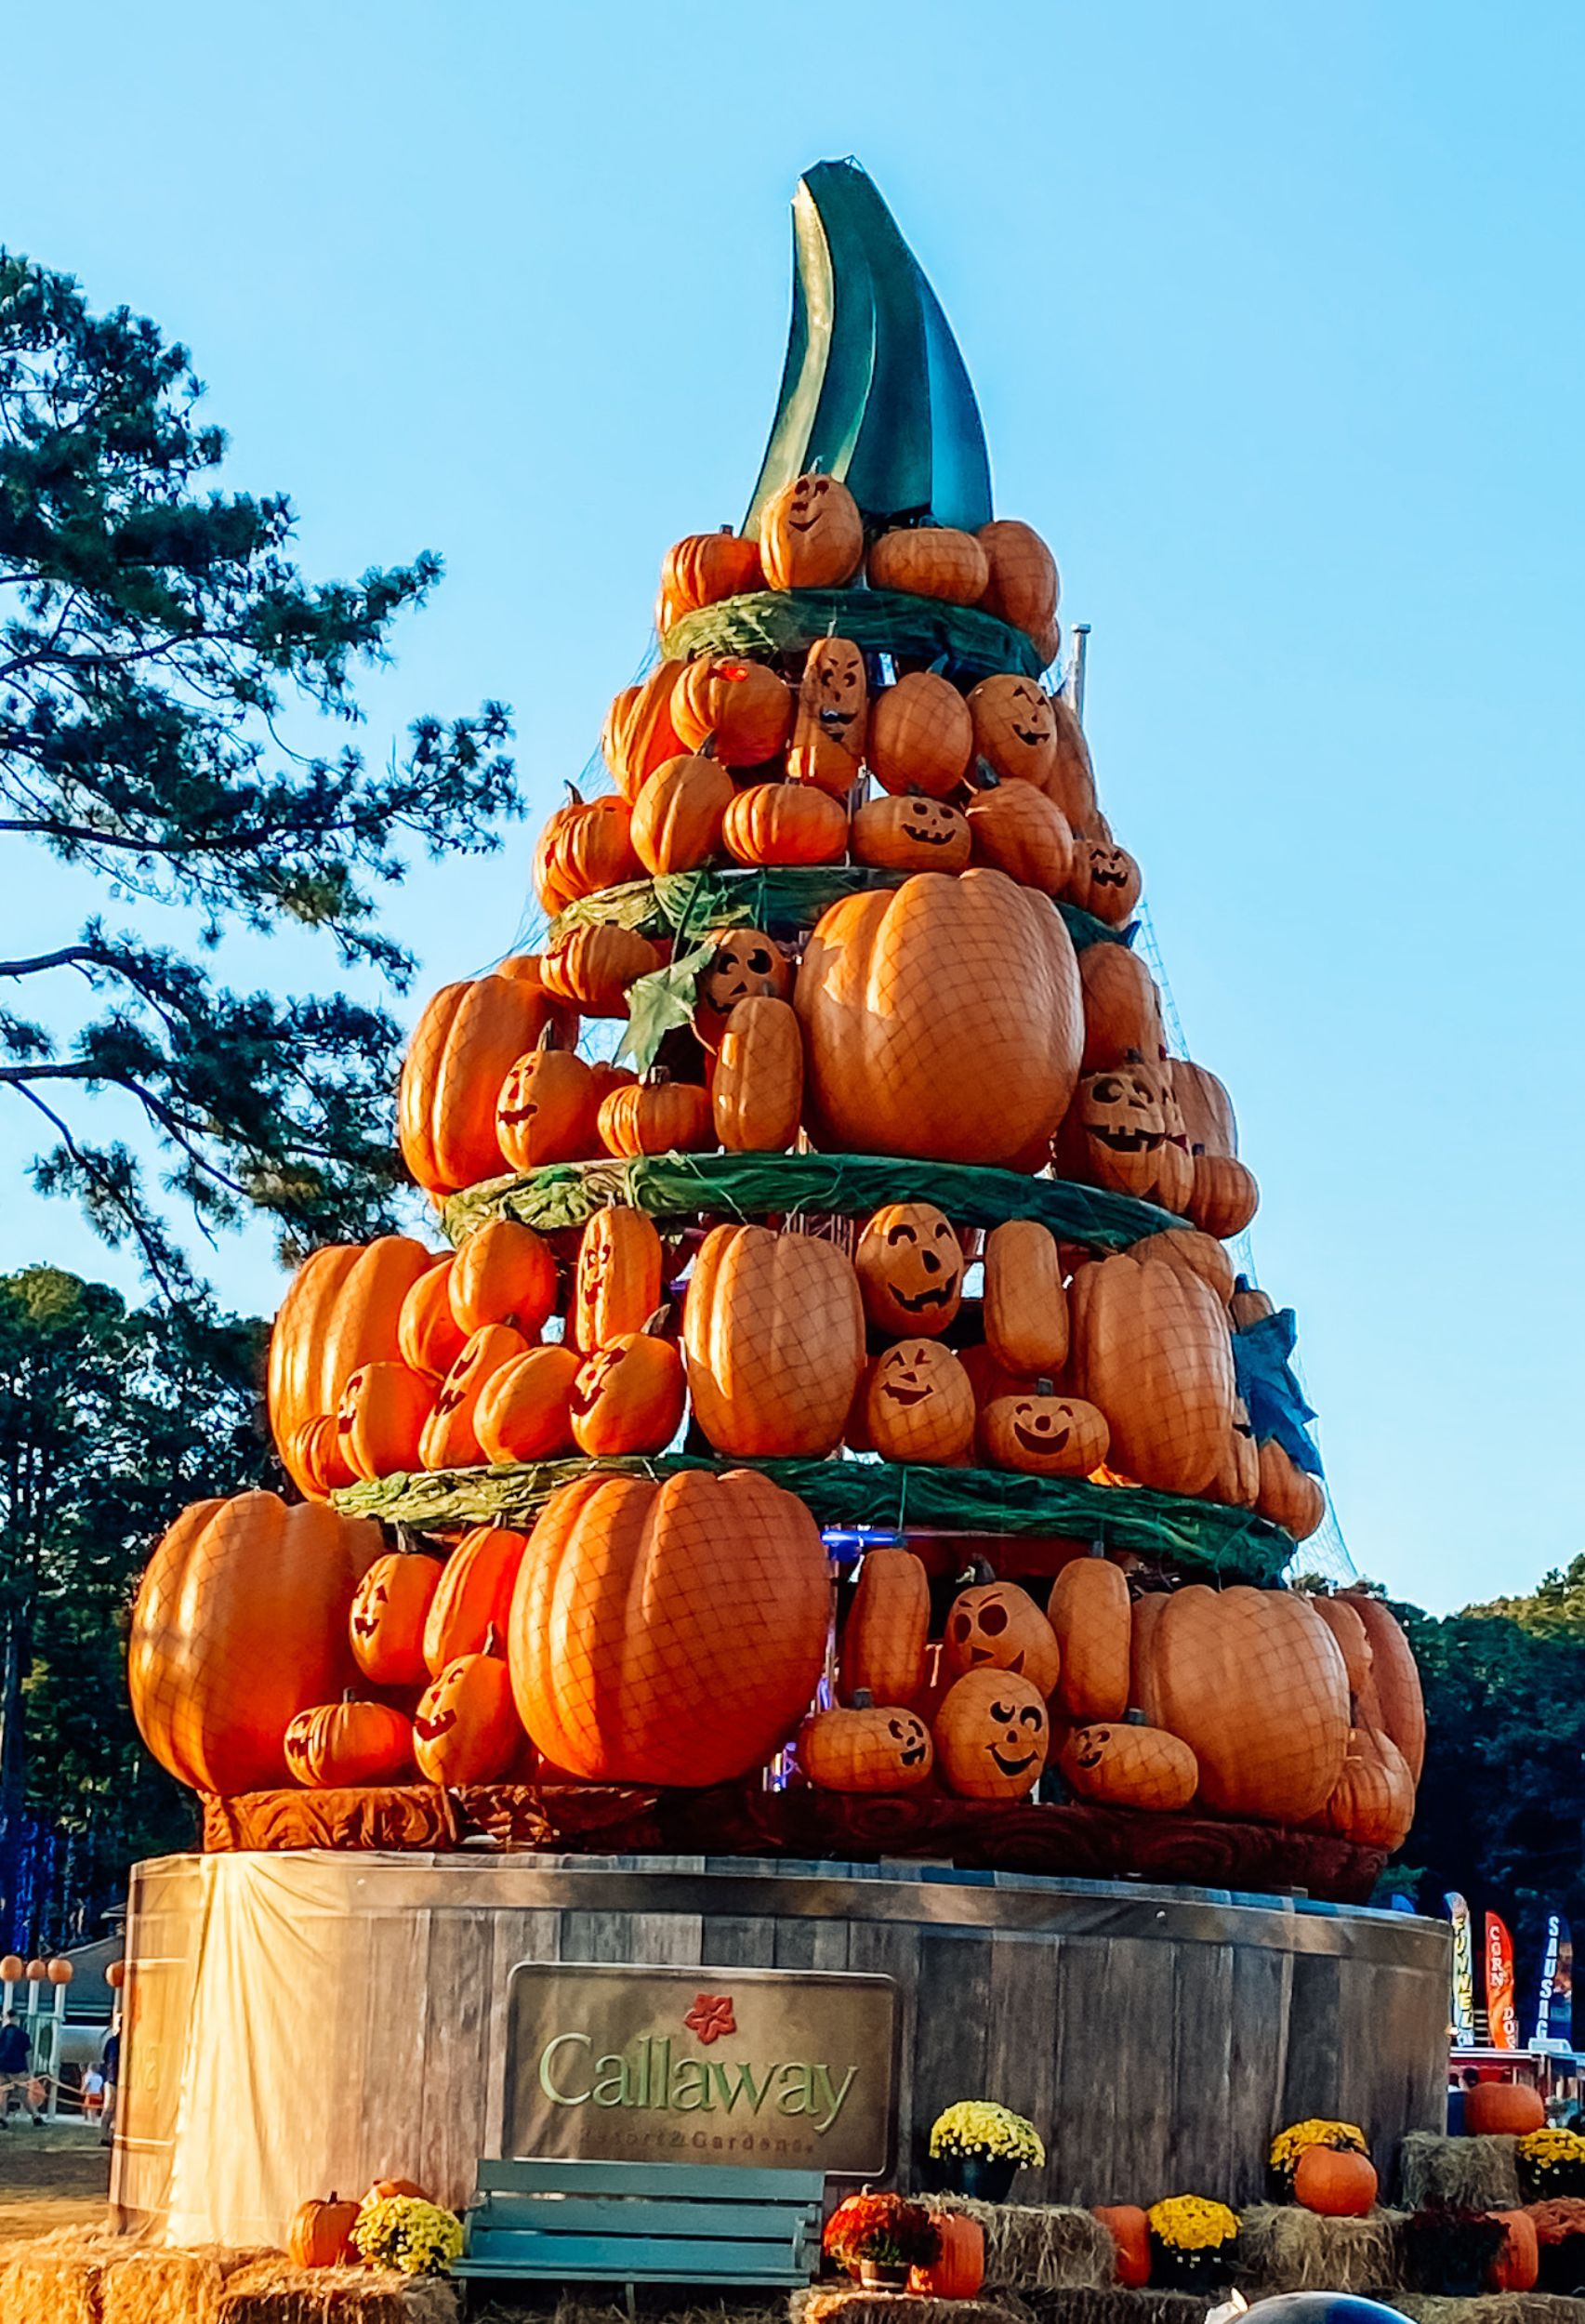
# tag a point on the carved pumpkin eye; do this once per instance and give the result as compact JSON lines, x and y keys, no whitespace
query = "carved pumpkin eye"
{"x":901,"y":1232}
{"x":961,"y":1627}
{"x":1004,"y":1712}
{"x":1107,"y":1092}
{"x":993,"y":1618}
{"x":1030,"y":1717}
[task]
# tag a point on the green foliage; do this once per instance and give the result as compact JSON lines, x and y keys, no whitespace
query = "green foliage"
{"x":110,"y":1418}
{"x":155,"y":640}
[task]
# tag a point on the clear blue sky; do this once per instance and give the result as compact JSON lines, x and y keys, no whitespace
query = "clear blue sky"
{"x":1275,"y":316}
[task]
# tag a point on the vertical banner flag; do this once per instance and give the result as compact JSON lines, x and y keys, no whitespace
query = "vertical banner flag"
{"x":1463,"y":1971}
{"x":1501,"y":2016}
{"x":1554,"y":1998}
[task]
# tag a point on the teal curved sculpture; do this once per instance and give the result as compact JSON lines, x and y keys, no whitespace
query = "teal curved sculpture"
{"x":874,"y":390}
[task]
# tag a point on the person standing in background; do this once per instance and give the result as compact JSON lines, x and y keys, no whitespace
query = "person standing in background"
{"x":16,"y":2057}
{"x":111,"y":2062}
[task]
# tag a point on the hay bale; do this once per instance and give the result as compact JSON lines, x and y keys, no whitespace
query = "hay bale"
{"x":1475,"y":2174}
{"x":1038,"y":2247}
{"x":1285,"y":2248}
{"x":851,"y":2304}
{"x":273,"y":2291}
{"x":1118,"y":2305}
{"x":54,"y":2280}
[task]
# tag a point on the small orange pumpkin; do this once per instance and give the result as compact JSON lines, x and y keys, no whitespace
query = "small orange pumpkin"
{"x":1124,"y":1763}
{"x":886,"y":1629}
{"x":429,"y":1337}
{"x":829,"y":724}
{"x":381,"y":2190}
{"x":921,"y":1404}
{"x":595,"y":966}
{"x":743,"y":709}
{"x":1045,"y":1434}
{"x":584,"y":846}
{"x":1026,"y":1303}
{"x":638,"y":735}
{"x":524,"y":1410}
{"x":1518,"y":2263}
{"x":1112,"y":1133}
{"x":1023,"y":587}
{"x":1225,"y":1195}
{"x":921,"y":737}
{"x":546,"y":1110}
{"x":1015,"y":829}
{"x":1373,"y":1801}
{"x":450,"y":1440}
{"x":618,"y":1282}
{"x":677,"y":823}
{"x":991,"y":1735}
{"x":959,"y":2269}
{"x":785,"y":823}
{"x":1122,"y":1008}
{"x":910,"y":832}
{"x":1494,"y":2110}
{"x":811,"y":534}
{"x":1336,"y":2182}
{"x":756,"y":1092}
{"x":387,"y":1617}
{"x":628,"y":1397}
{"x":910,"y":1269}
{"x":996,"y":1626}
{"x":321,"y":2234}
{"x":1287,"y":1494}
{"x":1105,"y":881}
{"x":930,"y":560}
{"x":870,"y":1747}
{"x":656,"y":1116}
{"x":349,"y":1743}
{"x":466,"y":1728}
{"x":1129,"y":2227}
{"x":747,"y":965}
{"x":503,"y":1274}
{"x":702,"y":569}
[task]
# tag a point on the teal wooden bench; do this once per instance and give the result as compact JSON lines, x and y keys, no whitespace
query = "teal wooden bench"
{"x":644,"y":2223}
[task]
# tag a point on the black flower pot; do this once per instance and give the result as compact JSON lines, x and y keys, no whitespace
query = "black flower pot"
{"x":987,"y":2178}
{"x":1173,"y":2270}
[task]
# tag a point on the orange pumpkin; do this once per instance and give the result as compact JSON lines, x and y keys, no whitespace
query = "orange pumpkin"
{"x":524,"y":1410}
{"x":1343,"y":1621}
{"x":1127,"y":1764}
{"x":774,"y":1332}
{"x":996,"y":1626}
{"x":657,"y":1115}
{"x":1151,"y":1347}
{"x":1122,"y":1008}
{"x":1015,"y":828}
{"x":1518,"y":2263}
{"x":473,"y":1595}
{"x":991,"y":1735}
{"x":462,"y":1048}
{"x":1015,"y":733}
{"x":1373,"y":1801}
{"x":785,"y":823}
{"x":322,"y":2235}
{"x":1494,"y":2110}
{"x":1022,"y":587}
{"x":545,"y":1109}
{"x":747,"y":965}
{"x":584,"y":846}
{"x":638,"y":735}
{"x":917,"y":1002}
{"x":1093,"y":1623}
{"x":316,"y":1452}
{"x":1254,"y":1681}
{"x":677,"y":823}
{"x":703,"y":568}
{"x":886,"y":1629}
{"x":618,"y":1283}
{"x":388,"y":1614}
{"x":959,"y":2269}
{"x":1071,"y":781}
{"x":1336,"y":2182}
{"x":930,"y":560}
{"x":503,"y":1274}
{"x":811,"y":534}
{"x":668,"y":1634}
{"x":1026,"y":1303}
{"x":380,"y":2190}
{"x":628,"y":1397}
{"x":1129,"y":2227}
{"x":380,"y":1419}
{"x":429,"y":1338}
{"x":1191,"y":1252}
{"x":910,"y":833}
{"x":910,"y":1269}
{"x":466,"y":1727}
{"x":1208,"y":1110}
{"x":343,"y":1309}
{"x":921,"y":1404}
{"x":921,"y":737}
{"x":450,"y":1440}
{"x":594,"y":967}
{"x":1105,"y":881}
{"x":1113,"y":1132}
{"x":829,"y":724}
{"x":349,"y":1743}
{"x":1287,"y":1494}
{"x":1043,"y":1433}
{"x":240,"y":1622}
{"x":742,"y":708}
{"x":1395,"y":1704}
{"x":1224,"y":1196}
{"x":756,"y":1093}
{"x":870,"y":1747}
{"x":1237,"y":1478}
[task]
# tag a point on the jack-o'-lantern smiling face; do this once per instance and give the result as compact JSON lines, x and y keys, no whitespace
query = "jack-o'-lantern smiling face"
{"x":1122,"y":1112}
{"x":747,"y":965}
{"x":997,"y":1626}
{"x":1046,"y":1434}
{"x":1015,"y":730}
{"x":910,"y":1269}
{"x":991,"y":1735}
{"x":808,"y":505}
{"x":911,"y":1738}
{"x":930,"y":822}
{"x":841,"y":689}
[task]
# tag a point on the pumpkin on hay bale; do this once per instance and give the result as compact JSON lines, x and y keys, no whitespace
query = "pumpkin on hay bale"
{"x":1038,"y":2247}
{"x":1284,"y":2247}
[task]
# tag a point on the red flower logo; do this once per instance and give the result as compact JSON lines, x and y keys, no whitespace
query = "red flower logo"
{"x":711,"y":2018}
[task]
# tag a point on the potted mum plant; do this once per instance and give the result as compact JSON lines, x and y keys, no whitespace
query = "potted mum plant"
{"x":1194,"y":2243}
{"x":878,"y":2237}
{"x":978,"y":2148}
{"x":1552,"y":2163}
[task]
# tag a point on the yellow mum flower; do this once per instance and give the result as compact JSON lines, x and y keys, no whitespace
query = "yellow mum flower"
{"x":1193,"y":2222}
{"x":976,"y":2126}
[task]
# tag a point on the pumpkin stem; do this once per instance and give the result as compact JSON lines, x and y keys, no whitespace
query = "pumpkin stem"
{"x":1133,"y":1718}
{"x":863,"y":1698}
{"x":651,"y":1327}
{"x":491,"y":1641}
{"x":549,"y":1037}
{"x":985,"y":775}
{"x":575,"y":798}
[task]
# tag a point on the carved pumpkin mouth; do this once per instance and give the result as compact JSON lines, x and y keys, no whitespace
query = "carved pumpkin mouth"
{"x":911,"y":1754}
{"x":982,"y":1655}
{"x":365,"y":1625}
{"x":1030,"y":734}
{"x":438,"y":1723}
{"x":1115,"y":879}
{"x":899,"y":1394}
{"x":803,"y":524}
{"x":838,"y":718}
{"x":1040,"y":1440}
{"x":928,"y":839}
{"x":1090,"y":1756}
{"x":520,"y":1113}
{"x":1125,"y":1141}
{"x":938,"y":1295}
{"x":1013,"y":1766}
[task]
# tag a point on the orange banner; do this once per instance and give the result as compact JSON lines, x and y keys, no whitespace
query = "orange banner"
{"x":1501,"y":2016}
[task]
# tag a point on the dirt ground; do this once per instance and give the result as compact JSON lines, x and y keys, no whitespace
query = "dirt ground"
{"x":55,"y":2177}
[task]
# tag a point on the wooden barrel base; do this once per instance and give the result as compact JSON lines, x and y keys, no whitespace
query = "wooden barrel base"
{"x":977,"y":1835}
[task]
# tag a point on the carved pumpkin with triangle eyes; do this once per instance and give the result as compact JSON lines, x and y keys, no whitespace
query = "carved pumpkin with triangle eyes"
{"x":379,"y":1421}
{"x":748,"y":965}
{"x":1014,"y":731}
{"x":387,"y":1617}
{"x":991,"y":1735}
{"x":547,"y":1108}
{"x":628,"y":1397}
{"x":449,"y":1440}
{"x":996,"y":1626}
{"x":910,"y":1269}
{"x":1045,"y":1435}
{"x":921,"y":1404}
{"x":811,"y":534}
{"x":870,"y":1747}
{"x":466,"y":1728}
{"x":910,"y":833}
{"x":1124,"y":1765}
{"x":1112,"y":1133}
{"x":1105,"y":881}
{"x":829,"y":721}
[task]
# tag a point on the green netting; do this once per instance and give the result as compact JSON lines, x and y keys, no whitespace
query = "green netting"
{"x":1201,"y":1537}
{"x":878,"y":621}
{"x":780,"y":898}
{"x":772,"y":1185}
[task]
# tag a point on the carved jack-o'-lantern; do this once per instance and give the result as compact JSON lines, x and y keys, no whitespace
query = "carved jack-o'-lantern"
{"x":1015,"y":733}
{"x":910,"y":1269}
{"x":1047,"y":1435}
{"x":870,"y":1747}
{"x":619,"y":1281}
{"x":387,"y":1617}
{"x":1105,"y":881}
{"x":1128,"y":1765}
{"x":910,"y":833}
{"x":921,"y":1404}
{"x":811,"y":534}
{"x":996,"y":1626}
{"x":747,"y":965}
{"x":629,"y":1396}
{"x":449,"y":1440}
{"x":466,"y":1728}
{"x":991,"y":1735}
{"x":1114,"y":1131}
{"x":829,"y":724}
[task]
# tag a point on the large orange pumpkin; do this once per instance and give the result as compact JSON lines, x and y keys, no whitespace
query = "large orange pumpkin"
{"x":668,"y":1634}
{"x":910,"y":1268}
{"x":920,"y":1404}
{"x":1518,"y":2263}
{"x":886,"y":1629}
{"x":503,"y":1274}
{"x":828,"y":725}
{"x":1129,"y":2227}
{"x":811,"y":534}
{"x":321,"y":2234}
{"x":240,"y":1622}
{"x":991,"y":1735}
{"x":461,"y":1050}
{"x":1254,"y":1682}
{"x":629,"y":1396}
{"x":756,"y":1092}
{"x":1026,"y":1303}
{"x":1336,"y":2182}
{"x":349,"y":1743}
{"x":1494,"y":2110}
{"x":774,"y":1332}
{"x":676,"y":824}
{"x":1393,"y":1701}
{"x":921,"y":737}
{"x":1090,"y":1614}
{"x":381,"y":1417}
{"x":915,"y":1003}
{"x":1150,"y":1345}
{"x":342,"y":1309}
{"x":466,"y":1728}
{"x":546,"y":1108}
{"x":389,"y":1617}
{"x":473,"y":1595}
{"x":742,"y":708}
